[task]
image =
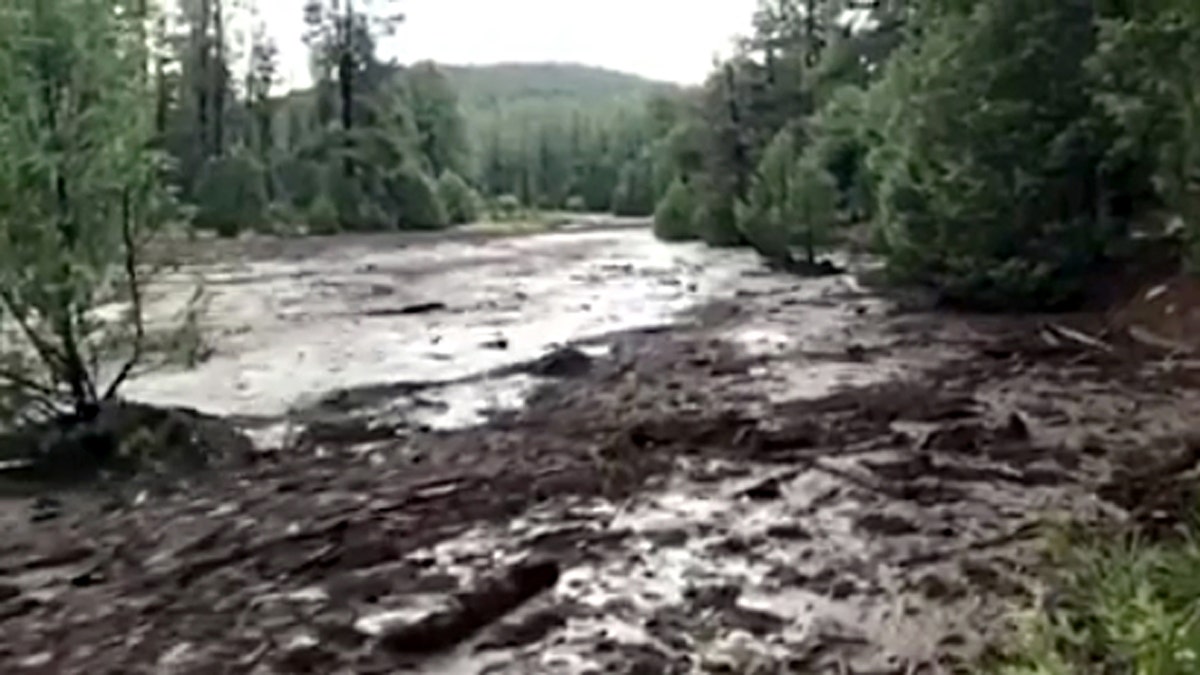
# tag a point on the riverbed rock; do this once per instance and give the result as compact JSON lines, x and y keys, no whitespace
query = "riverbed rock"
{"x":562,"y":363}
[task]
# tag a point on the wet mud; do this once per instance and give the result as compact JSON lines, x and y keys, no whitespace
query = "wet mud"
{"x":761,"y":475}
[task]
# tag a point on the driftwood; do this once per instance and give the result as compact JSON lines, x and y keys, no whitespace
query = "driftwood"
{"x":1056,"y":331}
{"x":472,"y":610}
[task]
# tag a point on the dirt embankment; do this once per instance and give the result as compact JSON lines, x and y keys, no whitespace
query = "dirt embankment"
{"x":794,"y":479}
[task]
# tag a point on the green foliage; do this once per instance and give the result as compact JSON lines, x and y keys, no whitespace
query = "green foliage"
{"x":440,"y":126}
{"x":673,"y":219}
{"x":767,"y":218}
{"x":81,"y":192}
{"x":839,"y":145}
{"x":546,"y":132}
{"x":300,"y":181}
{"x":483,"y":86}
{"x":231,"y":195}
{"x":715,"y":222}
{"x":414,"y":197}
{"x":989,"y":162}
{"x":323,"y":216}
{"x":793,"y":201}
{"x":814,"y":202}
{"x":634,"y":194}
{"x":461,"y":202}
{"x":507,"y":207}
{"x":1119,"y":607}
{"x":356,"y":212}
{"x":1145,"y":70}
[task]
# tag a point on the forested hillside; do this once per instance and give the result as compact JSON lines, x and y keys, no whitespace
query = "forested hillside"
{"x":556,"y":135}
{"x":375,"y":145}
{"x":487,"y":85}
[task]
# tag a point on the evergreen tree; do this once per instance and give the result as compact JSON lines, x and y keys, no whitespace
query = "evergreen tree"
{"x":673,"y":219}
{"x":81,"y":191}
{"x":461,"y":202}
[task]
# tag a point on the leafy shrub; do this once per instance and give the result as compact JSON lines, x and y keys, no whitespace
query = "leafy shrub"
{"x":231,"y":195}
{"x":634,"y":194}
{"x":507,"y":206}
{"x":323,"y":216}
{"x":673,"y":217}
{"x":300,"y":181}
{"x":356,"y":208}
{"x":715,"y":221}
{"x":461,"y":202}
{"x":414,"y":197}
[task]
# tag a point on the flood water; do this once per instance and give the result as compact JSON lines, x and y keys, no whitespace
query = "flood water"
{"x":291,"y":328}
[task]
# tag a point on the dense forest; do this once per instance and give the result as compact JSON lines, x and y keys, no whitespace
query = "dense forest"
{"x":1001,"y":151}
{"x":373,"y":145}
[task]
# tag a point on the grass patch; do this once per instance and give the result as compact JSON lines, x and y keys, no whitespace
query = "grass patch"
{"x":1119,"y":605}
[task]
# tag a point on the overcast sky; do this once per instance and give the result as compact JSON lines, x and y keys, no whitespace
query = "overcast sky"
{"x":671,"y":40}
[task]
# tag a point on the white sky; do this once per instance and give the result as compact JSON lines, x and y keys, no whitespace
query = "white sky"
{"x":672,"y":40}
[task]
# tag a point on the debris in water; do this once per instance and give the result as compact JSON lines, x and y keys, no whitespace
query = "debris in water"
{"x":409,"y":310}
{"x":564,"y":362}
{"x":470,"y":611}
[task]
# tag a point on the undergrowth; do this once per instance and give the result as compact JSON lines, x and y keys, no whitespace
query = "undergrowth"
{"x":1118,"y":605}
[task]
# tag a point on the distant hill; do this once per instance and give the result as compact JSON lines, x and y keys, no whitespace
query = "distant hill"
{"x":482,"y":86}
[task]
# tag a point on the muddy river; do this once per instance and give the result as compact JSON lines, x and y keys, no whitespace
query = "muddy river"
{"x":735,"y":471}
{"x":289,"y":330}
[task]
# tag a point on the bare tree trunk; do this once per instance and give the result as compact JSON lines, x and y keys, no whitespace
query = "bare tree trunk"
{"x":200,"y":38}
{"x":346,"y":76}
{"x":218,"y":78}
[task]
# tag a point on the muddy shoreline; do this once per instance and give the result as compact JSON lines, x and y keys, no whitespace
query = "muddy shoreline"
{"x":775,"y":475}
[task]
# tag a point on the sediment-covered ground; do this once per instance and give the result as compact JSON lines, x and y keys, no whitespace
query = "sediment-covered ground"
{"x":589,"y":453}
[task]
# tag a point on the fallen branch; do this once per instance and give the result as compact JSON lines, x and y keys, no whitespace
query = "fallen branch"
{"x":1072,"y":335}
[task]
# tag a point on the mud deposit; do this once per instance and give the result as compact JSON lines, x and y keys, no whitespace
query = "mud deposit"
{"x":729,"y":471}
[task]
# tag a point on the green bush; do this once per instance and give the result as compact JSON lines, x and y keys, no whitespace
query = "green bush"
{"x":414,"y":198}
{"x":283,"y":219}
{"x":354,"y":201}
{"x":507,"y":207}
{"x":715,"y":221}
{"x":231,"y":195}
{"x":673,"y":217}
{"x":300,"y":181}
{"x":323,"y":216}
{"x":989,"y":163}
{"x":634,"y":194}
{"x":461,"y":202}
{"x":763,"y":227}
